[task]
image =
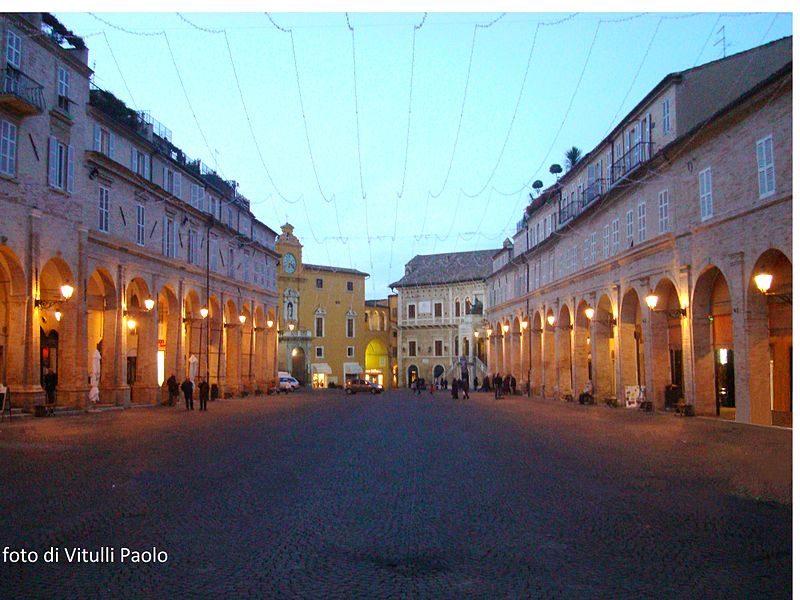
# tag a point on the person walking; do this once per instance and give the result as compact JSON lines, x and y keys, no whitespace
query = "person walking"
{"x":50,"y":383}
{"x":187,"y":387}
{"x":513,"y":386}
{"x":204,"y":389}
{"x":475,"y":384}
{"x":465,"y":388}
{"x":498,"y":386}
{"x":454,"y":389}
{"x":173,"y":389}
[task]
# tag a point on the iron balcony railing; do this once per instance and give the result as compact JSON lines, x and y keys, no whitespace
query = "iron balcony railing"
{"x":638,"y":153}
{"x":23,"y":87}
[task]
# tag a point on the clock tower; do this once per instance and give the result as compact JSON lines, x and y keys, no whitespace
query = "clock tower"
{"x":294,"y":329}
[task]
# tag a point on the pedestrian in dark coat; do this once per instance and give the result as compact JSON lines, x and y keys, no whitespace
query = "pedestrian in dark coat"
{"x":513,"y":385}
{"x":507,"y":384}
{"x":475,"y":384}
{"x":50,"y":383}
{"x":454,"y":389}
{"x":465,"y":388}
{"x":498,"y":386}
{"x":187,"y":387}
{"x":174,"y":389}
{"x":204,"y":389}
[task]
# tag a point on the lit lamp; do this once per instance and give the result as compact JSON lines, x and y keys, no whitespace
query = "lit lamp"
{"x":524,"y":325}
{"x":476,"y":334}
{"x":551,"y":319}
{"x":291,"y":326}
{"x":505,"y":327}
{"x":763,"y":282}
{"x":489,"y":332}
{"x":58,"y":315}
{"x":270,"y":323}
{"x":149,"y":303}
{"x":204,"y":312}
{"x":589,"y":312}
{"x":651,"y":300}
{"x":131,"y":324}
{"x":242,"y":318}
{"x":66,"y":291}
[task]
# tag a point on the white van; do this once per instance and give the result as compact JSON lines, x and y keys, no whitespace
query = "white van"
{"x":287,"y":383}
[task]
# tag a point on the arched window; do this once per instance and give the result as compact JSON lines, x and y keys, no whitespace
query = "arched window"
{"x":458,"y":308}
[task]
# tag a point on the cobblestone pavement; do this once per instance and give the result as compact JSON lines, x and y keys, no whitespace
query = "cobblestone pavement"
{"x":319,"y":495}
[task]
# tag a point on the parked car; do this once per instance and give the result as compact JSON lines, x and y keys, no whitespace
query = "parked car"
{"x":362,"y":385}
{"x":288,"y":384}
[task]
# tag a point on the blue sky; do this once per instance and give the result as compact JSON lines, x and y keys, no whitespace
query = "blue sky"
{"x":464,"y":174}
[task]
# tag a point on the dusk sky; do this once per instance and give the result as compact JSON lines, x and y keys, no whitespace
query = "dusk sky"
{"x":496,"y":99}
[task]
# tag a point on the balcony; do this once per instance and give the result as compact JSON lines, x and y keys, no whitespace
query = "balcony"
{"x":20,"y":94}
{"x":568,"y":211}
{"x":638,"y":154}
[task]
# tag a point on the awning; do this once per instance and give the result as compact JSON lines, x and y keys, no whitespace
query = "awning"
{"x":352,"y":369}
{"x":321,"y":368}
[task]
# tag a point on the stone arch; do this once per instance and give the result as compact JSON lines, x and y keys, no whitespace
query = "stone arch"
{"x":57,"y":317}
{"x":604,"y":350}
{"x":583,"y":345}
{"x":412,"y":374}
{"x":536,"y":352}
{"x":214,"y":348}
{"x":563,"y":346}
{"x":102,"y":335}
{"x":232,"y":344}
{"x":713,"y":333}
{"x":246,"y":334}
{"x":169,"y":342}
{"x":13,"y":321}
{"x":376,"y":362}
{"x":141,"y":343}
{"x":549,"y":354}
{"x":631,"y":342}
{"x":666,"y":342}
{"x":769,"y":340}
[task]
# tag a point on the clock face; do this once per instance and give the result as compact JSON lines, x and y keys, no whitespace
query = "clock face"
{"x":289,"y":262}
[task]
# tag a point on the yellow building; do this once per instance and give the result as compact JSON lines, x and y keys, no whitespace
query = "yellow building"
{"x":380,"y":358}
{"x":321,"y":336}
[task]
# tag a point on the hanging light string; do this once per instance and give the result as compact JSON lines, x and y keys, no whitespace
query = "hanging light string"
{"x":410,"y":94}
{"x":119,"y":70}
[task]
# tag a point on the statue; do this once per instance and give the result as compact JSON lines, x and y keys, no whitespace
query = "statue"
{"x":477,"y":307}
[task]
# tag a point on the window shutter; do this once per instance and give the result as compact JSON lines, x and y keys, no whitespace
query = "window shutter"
{"x":164,"y":178}
{"x":147,"y":167}
{"x":175,"y":240}
{"x":111,"y":145}
{"x":176,"y":184}
{"x":97,"y":145}
{"x":53,"y":170}
{"x":164,"y":238}
{"x":70,"y":168}
{"x":133,"y":160}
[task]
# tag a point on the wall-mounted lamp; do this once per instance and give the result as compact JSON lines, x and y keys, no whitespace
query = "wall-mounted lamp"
{"x":551,"y":319}
{"x":242,"y":318}
{"x":66,"y":291}
{"x":524,"y":325}
{"x":764,"y":284}
{"x":291,"y":326}
{"x":651,"y":300}
{"x":149,"y":303}
{"x":204,"y":312}
{"x":131,"y":324}
{"x":270,"y":323}
{"x":489,"y":332}
{"x":672,"y":313}
{"x":589,"y":312}
{"x":505,"y":328}
{"x":476,"y":334}
{"x":58,"y":315}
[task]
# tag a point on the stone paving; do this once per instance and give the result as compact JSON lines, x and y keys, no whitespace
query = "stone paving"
{"x":319,"y":495}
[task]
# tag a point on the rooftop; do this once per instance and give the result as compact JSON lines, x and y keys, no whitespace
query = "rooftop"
{"x":451,"y":267}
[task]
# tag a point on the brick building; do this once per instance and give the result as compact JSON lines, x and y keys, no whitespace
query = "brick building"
{"x":440,"y":316}
{"x":637,"y":269}
{"x":122,"y":261}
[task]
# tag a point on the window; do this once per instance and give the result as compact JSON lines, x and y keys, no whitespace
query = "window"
{"x":140,"y":163}
{"x":61,"y":171}
{"x":629,"y":228}
{"x":349,"y":286}
{"x":196,"y":199}
{"x":13,"y":49}
{"x":351,"y":351}
{"x":412,"y":311}
{"x":665,"y":120}
{"x":412,"y":348}
{"x":140,"y":224}
{"x":8,"y":148}
{"x":594,"y":247}
{"x":605,"y":241}
{"x":213,"y":205}
{"x":319,"y":326}
{"x":319,"y":283}
{"x":574,"y":259}
{"x":642,"y":215}
{"x":63,"y":89}
{"x":192,"y":247}
{"x":350,"y":327}
{"x":663,"y":211}
{"x":766,"y":167}
{"x":706,"y":200}
{"x":169,"y":246}
{"x":437,"y":309}
{"x":437,"y":348}
{"x":246,"y":267}
{"x":231,"y":261}
{"x":172,"y":182}
{"x":319,"y":352}
{"x":103,"y":141}
{"x":213,"y":251}
{"x":102,"y":210}
{"x":586,"y":250}
{"x":458,"y":308}
{"x":614,"y":236}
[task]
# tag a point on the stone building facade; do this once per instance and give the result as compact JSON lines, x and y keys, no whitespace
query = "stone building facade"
{"x":322,"y":332}
{"x":440,"y":310}
{"x":637,"y":269}
{"x":167,"y":271}
{"x":380,"y":358}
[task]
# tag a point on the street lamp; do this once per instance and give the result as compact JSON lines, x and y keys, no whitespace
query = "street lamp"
{"x":66,"y":291}
{"x":58,"y":315}
{"x":131,"y":324}
{"x":149,"y":303}
{"x":551,"y":319}
{"x":652,"y":300}
{"x":589,"y":312}
{"x":763,"y":282}
{"x":204,"y":312}
{"x":270,"y":323}
{"x":242,"y":318}
{"x":505,"y":327}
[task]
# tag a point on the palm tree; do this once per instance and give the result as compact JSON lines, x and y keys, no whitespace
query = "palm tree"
{"x":572,"y":156}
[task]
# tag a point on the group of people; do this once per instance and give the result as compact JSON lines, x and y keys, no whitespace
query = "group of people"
{"x":441,"y":383}
{"x":187,"y":387}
